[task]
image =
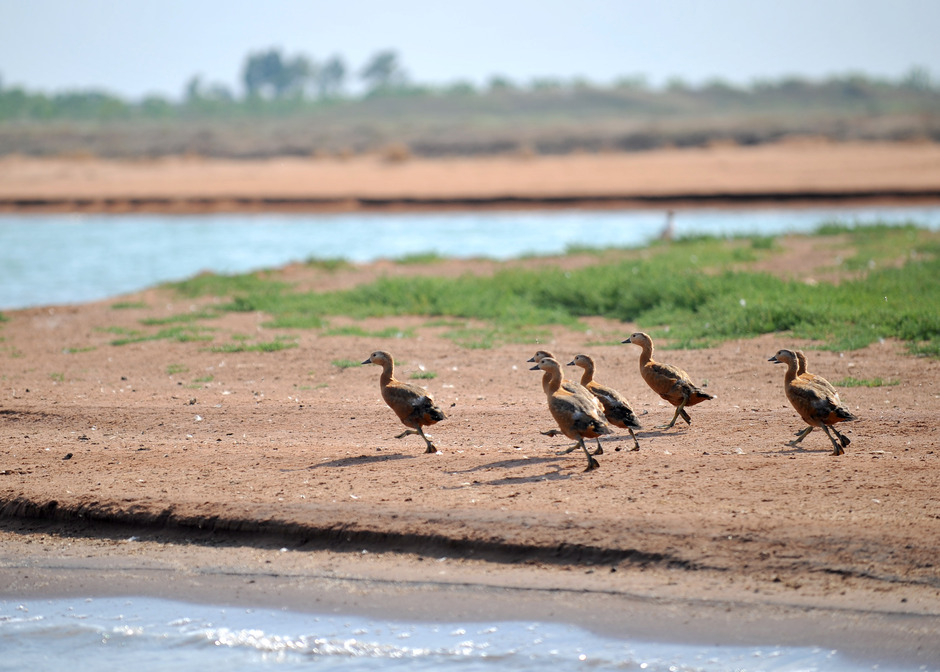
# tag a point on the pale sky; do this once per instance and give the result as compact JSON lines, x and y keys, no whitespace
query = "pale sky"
{"x":138,"y":47}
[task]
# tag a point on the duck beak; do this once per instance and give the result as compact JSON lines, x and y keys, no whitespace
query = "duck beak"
{"x":534,"y":368}
{"x":571,"y":363}
{"x":368,"y":361}
{"x":627,"y":341}
{"x":531,"y":359}
{"x":775,"y":360}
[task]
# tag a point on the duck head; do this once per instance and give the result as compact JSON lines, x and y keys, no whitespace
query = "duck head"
{"x":379,"y":357}
{"x":640,"y":338}
{"x":784,"y":357}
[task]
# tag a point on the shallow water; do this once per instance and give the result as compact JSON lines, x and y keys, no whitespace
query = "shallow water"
{"x":152,"y":635}
{"x":60,"y":259}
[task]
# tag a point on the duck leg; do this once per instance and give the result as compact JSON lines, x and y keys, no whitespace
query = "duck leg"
{"x":600,"y":449}
{"x":800,"y":436}
{"x":679,"y":409}
{"x":843,"y":439}
{"x":837,"y":449}
{"x":684,"y":414}
{"x":636,"y":444}
{"x":431,"y":447}
{"x":592,"y":463}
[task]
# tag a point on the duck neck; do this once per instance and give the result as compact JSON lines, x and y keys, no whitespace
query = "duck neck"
{"x":647,"y":354}
{"x":388,"y":373}
{"x":588,"y":375}
{"x":553,"y":382}
{"x":791,"y":372}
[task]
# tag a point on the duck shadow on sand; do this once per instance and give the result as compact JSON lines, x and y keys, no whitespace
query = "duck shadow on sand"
{"x":358,"y":461}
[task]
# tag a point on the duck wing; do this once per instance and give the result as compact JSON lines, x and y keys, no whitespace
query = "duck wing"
{"x":412,"y":403}
{"x":617,"y":409}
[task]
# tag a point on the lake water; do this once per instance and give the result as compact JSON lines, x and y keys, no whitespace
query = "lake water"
{"x":59,"y":259}
{"x":152,"y":635}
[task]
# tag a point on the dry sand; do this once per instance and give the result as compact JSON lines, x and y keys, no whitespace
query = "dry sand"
{"x":160,"y":468}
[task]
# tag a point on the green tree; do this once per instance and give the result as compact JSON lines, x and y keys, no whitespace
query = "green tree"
{"x":383,"y":72}
{"x":268,"y":74}
{"x":331,"y":78}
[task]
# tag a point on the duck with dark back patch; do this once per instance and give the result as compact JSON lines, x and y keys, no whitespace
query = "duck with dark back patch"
{"x":617,"y":409}
{"x":815,"y":400}
{"x":576,"y":416}
{"x":575,"y":388}
{"x":413,"y":405}
{"x":669,"y":382}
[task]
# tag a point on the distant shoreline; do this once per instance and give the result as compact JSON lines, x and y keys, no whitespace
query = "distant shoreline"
{"x":783,"y":174}
{"x":195,"y":206}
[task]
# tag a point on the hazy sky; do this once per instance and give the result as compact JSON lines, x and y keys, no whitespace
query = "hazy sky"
{"x":136,"y":47}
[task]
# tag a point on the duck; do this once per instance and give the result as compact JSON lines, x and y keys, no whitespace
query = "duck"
{"x":576,"y":416}
{"x":814,"y":402}
{"x":617,"y":409}
{"x":823,"y":384}
{"x":573,"y":387}
{"x":669,"y":382}
{"x":413,"y":405}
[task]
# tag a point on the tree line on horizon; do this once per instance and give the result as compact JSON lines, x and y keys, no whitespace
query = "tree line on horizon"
{"x":275,"y":84}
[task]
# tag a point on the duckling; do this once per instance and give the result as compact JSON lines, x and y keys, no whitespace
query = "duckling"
{"x":669,"y":382}
{"x":824,"y":385}
{"x":817,"y":406}
{"x":576,"y":416}
{"x":617,"y":410}
{"x":574,"y":388}
{"x":413,"y":405}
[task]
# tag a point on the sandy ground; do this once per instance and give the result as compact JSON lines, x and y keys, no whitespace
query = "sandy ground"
{"x":796,"y":170}
{"x":273,"y":478}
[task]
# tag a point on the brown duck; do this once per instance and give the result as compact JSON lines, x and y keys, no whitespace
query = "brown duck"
{"x":813,"y":400}
{"x":576,"y":416}
{"x":669,"y":382}
{"x":413,"y":405}
{"x":617,"y":409}
{"x":573,"y":387}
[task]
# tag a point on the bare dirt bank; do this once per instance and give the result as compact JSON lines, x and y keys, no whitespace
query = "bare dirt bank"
{"x":782,"y":173}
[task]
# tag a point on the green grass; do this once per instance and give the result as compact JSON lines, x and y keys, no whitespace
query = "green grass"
{"x":279,"y":343}
{"x":57,"y":377}
{"x":183,"y":318}
{"x":128,"y":305}
{"x":186,"y":334}
{"x":423,"y":375}
{"x":345,"y":363}
{"x":866,"y":382}
{"x":693,"y":292}
{"x":353,"y":330}
{"x":328,"y":265}
{"x":173,"y":369}
{"x":75,"y":351}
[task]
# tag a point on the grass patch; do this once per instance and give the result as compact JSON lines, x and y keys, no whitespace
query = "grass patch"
{"x":182,"y":334}
{"x":345,"y":363}
{"x":417,"y":258}
{"x":279,"y":343}
{"x":173,"y":369}
{"x":388,"y":332}
{"x":204,"y":379}
{"x":328,"y":265}
{"x":866,"y":382}
{"x":75,"y":351}
{"x":57,"y":377}
{"x":693,"y":292}
{"x":183,"y":318}
{"x":423,"y":375}
{"x":128,"y":305}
